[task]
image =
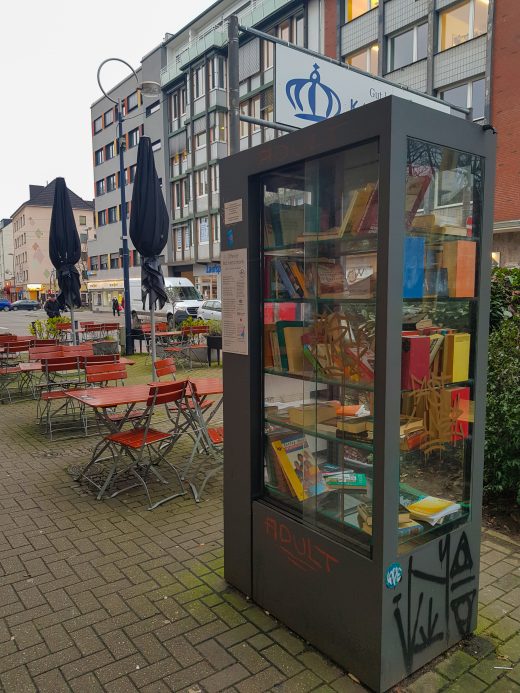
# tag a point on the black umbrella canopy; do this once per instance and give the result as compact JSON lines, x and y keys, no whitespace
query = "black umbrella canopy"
{"x":149,"y":224}
{"x":65,"y":247}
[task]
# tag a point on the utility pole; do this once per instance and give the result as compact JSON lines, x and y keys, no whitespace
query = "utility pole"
{"x":233,"y":83}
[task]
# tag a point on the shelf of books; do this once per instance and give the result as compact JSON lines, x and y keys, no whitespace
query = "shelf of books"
{"x":320,"y":231}
{"x":441,"y":247}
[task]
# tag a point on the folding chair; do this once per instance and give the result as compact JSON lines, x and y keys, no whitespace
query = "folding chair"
{"x":210,"y":440}
{"x":44,"y":343}
{"x":9,"y":375}
{"x":165,"y":367}
{"x":54,"y":390}
{"x":101,"y":375}
{"x":143,"y":439}
{"x":13,"y":351}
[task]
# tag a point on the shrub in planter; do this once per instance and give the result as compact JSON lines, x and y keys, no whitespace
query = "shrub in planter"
{"x":47,"y":329}
{"x":502,"y":448}
{"x":106,"y":346}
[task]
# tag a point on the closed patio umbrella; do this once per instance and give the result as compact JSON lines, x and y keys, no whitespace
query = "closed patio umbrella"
{"x":65,"y":251}
{"x":149,"y":231}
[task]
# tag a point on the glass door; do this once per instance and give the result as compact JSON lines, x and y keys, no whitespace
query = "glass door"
{"x":320,"y":232}
{"x":443,"y":213}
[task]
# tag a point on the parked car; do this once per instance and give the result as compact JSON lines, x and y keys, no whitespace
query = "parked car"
{"x":25,"y":304}
{"x":5,"y":304}
{"x":210,"y":310}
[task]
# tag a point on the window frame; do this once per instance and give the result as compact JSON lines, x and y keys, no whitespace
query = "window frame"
{"x":133,"y":106}
{"x":368,"y":57}
{"x":111,"y":177}
{"x":199,"y":230}
{"x":100,"y":187}
{"x":471,"y":24}
{"x":97,"y":122}
{"x":469,"y":94}
{"x":390,"y":67}
{"x":133,"y":138}
{"x":370,"y":5}
{"x":99,"y":156}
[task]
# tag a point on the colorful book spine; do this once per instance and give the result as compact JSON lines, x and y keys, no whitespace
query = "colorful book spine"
{"x":286,"y":281}
{"x":459,"y":258}
{"x":415,"y":361}
{"x":455,"y":363}
{"x":413,"y":267}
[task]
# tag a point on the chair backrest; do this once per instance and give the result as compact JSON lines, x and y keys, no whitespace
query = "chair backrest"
{"x":37,"y":353}
{"x":164,"y":393}
{"x":62,"y":363}
{"x":44,"y":342}
{"x":146,"y":327}
{"x":161,"y":327}
{"x":79,"y":350}
{"x":91,"y":359}
{"x":165,"y":367}
{"x":63,"y":326}
{"x":18,"y":346}
{"x":105,"y":372}
{"x":7,"y":338}
{"x":86,"y":323}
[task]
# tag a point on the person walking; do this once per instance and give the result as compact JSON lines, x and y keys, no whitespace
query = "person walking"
{"x":52,"y":308}
{"x":115,"y":306}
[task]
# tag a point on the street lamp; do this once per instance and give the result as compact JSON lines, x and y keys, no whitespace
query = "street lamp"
{"x":149,"y":89}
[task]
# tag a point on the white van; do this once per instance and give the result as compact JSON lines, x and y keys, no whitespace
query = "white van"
{"x":187,"y":304}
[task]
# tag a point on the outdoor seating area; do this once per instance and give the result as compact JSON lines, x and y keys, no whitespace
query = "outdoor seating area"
{"x":139,"y":422}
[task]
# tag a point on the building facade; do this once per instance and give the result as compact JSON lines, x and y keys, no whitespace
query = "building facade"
{"x":141,"y":117}
{"x":6,"y":257}
{"x":444,"y":48}
{"x":34,"y":275}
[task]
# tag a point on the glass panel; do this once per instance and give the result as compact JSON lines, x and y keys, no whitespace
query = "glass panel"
{"x":422,"y":42}
{"x":358,"y":60}
{"x":454,"y":26}
{"x":320,"y":224}
{"x":458,"y":96}
{"x":478,"y":98}
{"x":439,"y":315}
{"x":373,"y":56}
{"x":481,"y":17}
{"x":402,"y":50}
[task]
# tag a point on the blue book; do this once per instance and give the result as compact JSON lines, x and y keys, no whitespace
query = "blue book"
{"x":413,"y":267}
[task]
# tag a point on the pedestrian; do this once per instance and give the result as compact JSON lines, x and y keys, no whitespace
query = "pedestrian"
{"x":115,"y":306}
{"x":52,"y":308}
{"x":170,"y":319}
{"x":137,"y":330}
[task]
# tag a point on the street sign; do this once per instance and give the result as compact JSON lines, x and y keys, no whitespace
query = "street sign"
{"x":309,"y":89}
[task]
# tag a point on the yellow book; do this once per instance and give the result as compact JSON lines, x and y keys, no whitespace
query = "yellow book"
{"x":288,"y":470}
{"x":429,"y":506}
{"x":293,"y":343}
{"x":455,"y":362}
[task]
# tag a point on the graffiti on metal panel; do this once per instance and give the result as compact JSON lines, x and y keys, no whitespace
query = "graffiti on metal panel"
{"x":422,"y":613}
{"x":302,"y":552}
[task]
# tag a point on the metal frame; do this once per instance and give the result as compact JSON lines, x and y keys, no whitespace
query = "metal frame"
{"x":355,"y":618}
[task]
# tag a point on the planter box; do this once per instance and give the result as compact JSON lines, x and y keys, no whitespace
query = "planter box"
{"x":105,"y":347}
{"x":214,"y":343}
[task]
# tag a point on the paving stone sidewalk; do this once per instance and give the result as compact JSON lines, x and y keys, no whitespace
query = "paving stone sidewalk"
{"x":107,"y":596}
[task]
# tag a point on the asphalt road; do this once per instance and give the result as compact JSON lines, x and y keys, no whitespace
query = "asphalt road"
{"x":18,"y":321}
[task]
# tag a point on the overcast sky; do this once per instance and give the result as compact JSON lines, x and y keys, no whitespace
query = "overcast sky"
{"x":49,"y":54}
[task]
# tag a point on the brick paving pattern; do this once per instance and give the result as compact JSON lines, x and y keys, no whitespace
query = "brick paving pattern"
{"x":107,"y":596}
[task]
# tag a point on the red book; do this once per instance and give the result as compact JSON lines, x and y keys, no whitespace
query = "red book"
{"x":459,"y":411}
{"x":415,"y":361}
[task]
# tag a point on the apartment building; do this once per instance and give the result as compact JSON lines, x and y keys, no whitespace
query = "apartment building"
{"x":141,"y":117}
{"x":6,"y":257}
{"x":34,"y":275}
{"x":440,"y":47}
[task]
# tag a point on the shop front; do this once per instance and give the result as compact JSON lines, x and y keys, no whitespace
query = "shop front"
{"x":101,"y":293}
{"x":207,"y":280}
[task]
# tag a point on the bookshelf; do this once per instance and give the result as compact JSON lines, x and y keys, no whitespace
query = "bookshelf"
{"x":354,"y":424}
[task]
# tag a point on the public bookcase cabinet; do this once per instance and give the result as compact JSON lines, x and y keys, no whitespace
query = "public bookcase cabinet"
{"x":355,"y":422}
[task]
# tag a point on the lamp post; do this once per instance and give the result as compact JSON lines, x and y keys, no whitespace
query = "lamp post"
{"x":150,"y":89}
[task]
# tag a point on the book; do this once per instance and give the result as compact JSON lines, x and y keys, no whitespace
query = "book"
{"x":413,"y":267}
{"x":268,"y":349}
{"x":436,"y":341}
{"x":299,"y":275}
{"x":360,"y":275}
{"x":312,"y":413}
{"x":275,"y":350}
{"x":359,"y":207}
{"x":431,"y":509}
{"x":459,"y":259}
{"x":362,"y":361}
{"x":282,"y":347}
{"x":342,"y":479}
{"x":286,"y":279}
{"x":296,"y":363}
{"x":455,"y":405}
{"x":455,"y":363}
{"x":298,"y":465}
{"x":330,"y":278}
{"x":416,"y":187}
{"x":415,"y":361}
{"x":369,"y":219}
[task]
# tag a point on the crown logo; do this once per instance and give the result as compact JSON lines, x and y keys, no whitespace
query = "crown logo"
{"x":321,"y":102}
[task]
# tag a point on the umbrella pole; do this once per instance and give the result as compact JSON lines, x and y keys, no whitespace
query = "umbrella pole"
{"x":72,"y":325}
{"x":152,"y":336}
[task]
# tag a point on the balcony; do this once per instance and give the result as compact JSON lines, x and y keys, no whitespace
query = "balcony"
{"x":260,"y":11}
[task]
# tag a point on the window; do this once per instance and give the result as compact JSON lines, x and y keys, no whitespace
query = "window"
{"x":111,"y":182}
{"x":244,"y":127}
{"x":153,"y":108}
{"x":98,"y":125}
{"x":132,"y":169}
{"x":355,"y":8}
{"x":214,"y":177}
{"x":112,"y":215}
{"x":156,"y":145}
{"x":201,"y":182}
{"x":217,"y":72}
{"x":132,"y":101}
{"x":469,"y":95}
{"x":215,"y":227}
{"x":114,"y":262}
{"x":100,"y":187}
{"x":462,"y":22}
{"x":174,"y":106}
{"x":186,"y":190}
{"x":284,"y":30}
{"x":200,"y":140}
{"x":365,"y":59}
{"x":94,"y":262}
{"x":408,"y":47}
{"x":101,"y":217}
{"x":103,"y":262}
{"x":299,"y":37}
{"x":133,"y":138}
{"x":187,"y":236}
{"x":198,"y":82}
{"x":254,"y":107}
{"x":267,"y":54}
{"x":109,"y":151}
{"x":109,"y":117}
{"x":178,"y":235}
{"x":177,"y":192}
{"x":266,"y":104}
{"x":82,"y":220}
{"x":182,"y":99}
{"x":203,"y":229}
{"x":218,"y":130}
{"x":127,"y":206}
{"x":98,"y":156}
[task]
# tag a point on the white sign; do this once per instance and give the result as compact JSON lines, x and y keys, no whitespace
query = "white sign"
{"x":309,"y":90}
{"x":234,"y":301}
{"x":233,"y":212}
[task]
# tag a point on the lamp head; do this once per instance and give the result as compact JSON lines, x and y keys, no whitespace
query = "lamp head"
{"x":150,"y":89}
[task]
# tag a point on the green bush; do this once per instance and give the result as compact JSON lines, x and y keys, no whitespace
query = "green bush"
{"x":502,"y":448}
{"x":505,"y":295}
{"x":47,"y":329}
